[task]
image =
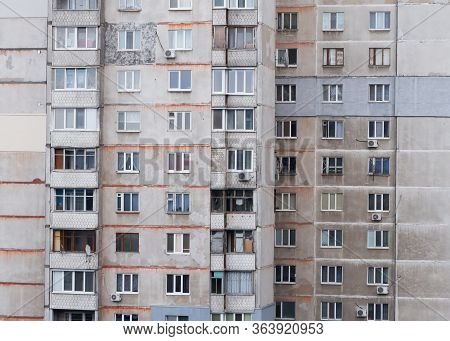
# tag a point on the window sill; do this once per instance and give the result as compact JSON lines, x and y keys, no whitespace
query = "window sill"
{"x":332,"y":211}
{"x":127,"y":172}
{"x":281,"y":174}
{"x":128,"y":131}
{"x":285,"y":210}
{"x":128,"y":213}
{"x":181,"y":50}
{"x":332,"y":174}
{"x":73,"y":293}
{"x":379,"y":66}
{"x":180,"y":9}
{"x":77,"y":212}
{"x":72,"y":130}
{"x":377,"y":284}
{"x":75,"y":90}
{"x":286,"y":102}
{"x":76,"y":49}
{"x":286,"y":138}
{"x":181,"y":172}
{"x":379,"y":212}
{"x":75,"y":171}
{"x":379,"y":29}
{"x":127,"y":293}
{"x":379,"y":175}
{"x":132,"y":252}
{"x":285,"y":283}
{"x":177,"y":294}
{"x":331,"y":102}
{"x":378,"y":138}
{"x":378,"y":247}
{"x":332,"y":31}
{"x":286,"y":246}
{"x":331,"y":247}
{"x":284,"y":318}
{"x":377,"y":102}
{"x":129,"y":50}
{"x":130,"y":9}
{"x":178,"y":253}
{"x":179,"y":90}
{"x":286,"y":66}
{"x":128,"y":91}
{"x":332,"y":66}
{"x":287,"y":30}
{"x":334,"y":284}
{"x":178,"y":213}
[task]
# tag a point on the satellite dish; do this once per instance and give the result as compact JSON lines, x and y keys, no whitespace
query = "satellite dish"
{"x":88,"y":250}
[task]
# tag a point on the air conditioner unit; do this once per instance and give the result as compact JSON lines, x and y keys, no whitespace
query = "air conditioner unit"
{"x":372,"y":144}
{"x":361,"y":312}
{"x":382,"y":290}
{"x":244,"y":177}
{"x":170,"y":54}
{"x":116,"y":298}
{"x":376,"y":217}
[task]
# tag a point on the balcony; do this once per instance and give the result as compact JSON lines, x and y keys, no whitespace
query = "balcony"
{"x":76,"y":58}
{"x":76,"y":99}
{"x":74,"y":220}
{"x":242,"y":17}
{"x":240,"y":262}
{"x":219,"y":17}
{"x":76,"y":139}
{"x":241,"y":101}
{"x":242,"y":58}
{"x":217,"y":303}
{"x":241,"y":221}
{"x":217,"y":262}
{"x":76,"y":18}
{"x":219,"y":57}
{"x":73,"y":261}
{"x":217,"y":221}
{"x":74,"y":301}
{"x":218,"y":180}
{"x":240,"y":303}
{"x":74,"y":179}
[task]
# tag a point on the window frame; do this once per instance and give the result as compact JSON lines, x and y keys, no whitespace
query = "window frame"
{"x":376,"y":14}
{"x":326,"y":22}
{"x":281,"y":21}
{"x":291,"y":274}
{"x":291,"y":237}
{"x":332,"y":281}
{"x":385,"y":93}
{"x":234,"y":45}
{"x":172,"y":197}
{"x":336,"y":170}
{"x":175,"y":239}
{"x":332,"y":52}
{"x":328,"y":97}
{"x":186,"y":160}
{"x":336,"y":123}
{"x":63,"y":237}
{"x":87,"y":112}
{"x":122,"y":164}
{"x":384,"y":275}
{"x":75,"y":79}
{"x":137,"y":40}
{"x":381,"y":238}
{"x":292,"y":93}
{"x":374,"y":56}
{"x":280,"y":126}
{"x":173,"y":38}
{"x":288,"y":64}
{"x":225,"y":81}
{"x":279,"y":306}
{"x":329,"y":202}
{"x":375,"y":129}
{"x":173,"y":278}
{"x":335,"y":309}
{"x":372,"y":309}
{"x":69,"y":2}
{"x":71,"y":195}
{"x":132,"y":278}
{"x":126,"y":122}
{"x":288,"y":195}
{"x":135,"y":81}
{"x":236,"y":117}
{"x":77,"y":29}
{"x":327,"y":242}
{"x":126,"y":317}
{"x":249,"y":4}
{"x":120,"y":202}
{"x":174,"y":118}
{"x":74,"y":157}
{"x":372,"y":169}
{"x":375,"y":200}
{"x":62,"y":282}
{"x":178,"y":8}
{"x":233,"y":157}
{"x":180,"y":73}
{"x":291,"y":165}
{"x":127,"y":243}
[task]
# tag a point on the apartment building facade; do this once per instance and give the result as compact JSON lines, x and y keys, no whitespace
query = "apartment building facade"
{"x":351,"y":80}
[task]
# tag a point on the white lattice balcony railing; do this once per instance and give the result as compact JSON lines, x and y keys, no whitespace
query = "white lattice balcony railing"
{"x":76,"y":18}
{"x":73,"y":261}
{"x":217,"y":303}
{"x":240,"y":262}
{"x":217,"y":221}
{"x":241,"y":221}
{"x":240,"y":17}
{"x":75,"y":139}
{"x":217,"y":262}
{"x":242,"y":58}
{"x":74,"y":220}
{"x":76,"y":58}
{"x":240,"y":303}
{"x":74,"y":301}
{"x":76,"y":99}
{"x":67,"y":179}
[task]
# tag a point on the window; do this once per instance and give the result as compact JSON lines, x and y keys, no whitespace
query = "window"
{"x":285,"y":274}
{"x":233,"y":81}
{"x":286,"y":57}
{"x":285,"y":310}
{"x":239,"y":241}
{"x":331,"y":275}
{"x":379,"y":57}
{"x":332,"y":129}
{"x":287,"y":166}
{"x":379,"y":166}
{"x":378,"y":129}
{"x":73,"y":240}
{"x":287,"y":21}
{"x":129,"y":81}
{"x":128,"y":162}
{"x":286,"y":93}
{"x":377,"y":239}
{"x":180,"y":40}
{"x":380,"y":20}
{"x":178,"y":284}
{"x":332,"y":201}
{"x":179,"y":120}
{"x":231,"y":317}
{"x":240,"y":160}
{"x":128,"y":121}
{"x":179,"y":162}
{"x":127,"y":283}
{"x":61,"y":315}
{"x":233,"y":119}
{"x":180,"y":80}
{"x":220,"y":3}
{"x":127,"y":202}
{"x":378,"y":92}
{"x":127,"y":242}
{"x":177,"y":318}
{"x":75,"y":159}
{"x":377,"y":312}
{"x":241,"y":38}
{"x":286,"y":129}
{"x":178,"y":243}
{"x":219,"y":37}
{"x":333,"y":21}
{"x":127,"y":317}
{"x":239,"y":283}
{"x":76,"y":79}
{"x":180,"y":4}
{"x":76,"y":4}
{"x":331,"y":311}
{"x":76,"y":119}
{"x":332,"y":166}
{"x":332,"y":93}
{"x":285,"y":202}
{"x":178,"y":203}
{"x":242,"y":4}
{"x":232,"y":201}
{"x":75,"y":200}
{"x":378,"y":202}
{"x":285,"y":238}
{"x":129,"y":40}
{"x":377,"y":275}
{"x":73,"y":281}
{"x":217,"y":242}
{"x":217,"y":283}
{"x":75,"y":38}
{"x":129,"y":5}
{"x":331,"y":238}
{"x":333,"y":57}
